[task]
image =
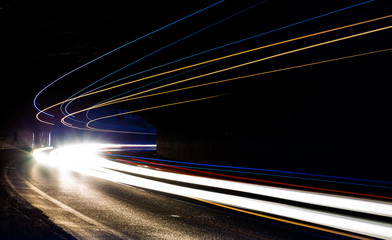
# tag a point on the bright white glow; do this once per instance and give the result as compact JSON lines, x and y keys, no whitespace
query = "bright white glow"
{"x":79,"y":157}
{"x":84,"y":159}
{"x":42,"y":154}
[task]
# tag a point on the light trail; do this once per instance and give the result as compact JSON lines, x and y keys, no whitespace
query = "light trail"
{"x":286,"y":220}
{"x":278,"y":173}
{"x":84,"y":159}
{"x":156,"y":51}
{"x":369,"y":206}
{"x":137,"y":160}
{"x":230,"y":68}
{"x":238,"y":41}
{"x":134,"y":89}
{"x":114,"y":50}
{"x":203,"y":85}
{"x":200,"y":53}
{"x":190,"y":166}
{"x":141,"y":110}
{"x":260,"y":60}
{"x":115,"y":101}
{"x":137,"y":88}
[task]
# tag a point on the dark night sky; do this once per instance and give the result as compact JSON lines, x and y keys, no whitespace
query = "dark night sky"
{"x":41,"y":40}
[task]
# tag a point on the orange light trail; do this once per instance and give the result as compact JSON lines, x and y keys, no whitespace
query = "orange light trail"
{"x":228,"y":56}
{"x":139,"y":110}
{"x":206,"y":84}
{"x":131,"y":97}
{"x":233,"y":67}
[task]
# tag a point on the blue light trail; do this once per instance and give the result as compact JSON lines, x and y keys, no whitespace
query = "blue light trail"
{"x":259,"y":169}
{"x":213,"y":49}
{"x":235,"y":42}
{"x":150,"y":54}
{"x":114,"y":50}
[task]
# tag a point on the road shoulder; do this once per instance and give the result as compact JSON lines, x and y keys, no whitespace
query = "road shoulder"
{"x":18,"y":218}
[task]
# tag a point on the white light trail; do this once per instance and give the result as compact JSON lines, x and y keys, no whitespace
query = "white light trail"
{"x":328,"y":200}
{"x":84,"y":159}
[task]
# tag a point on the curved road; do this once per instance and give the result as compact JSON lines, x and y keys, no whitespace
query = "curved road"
{"x":93,"y":208}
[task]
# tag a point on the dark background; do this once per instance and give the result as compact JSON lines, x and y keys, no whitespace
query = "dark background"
{"x":336,"y":107}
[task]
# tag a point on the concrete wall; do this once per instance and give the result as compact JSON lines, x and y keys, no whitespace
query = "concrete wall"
{"x":16,"y":139}
{"x":27,"y":139}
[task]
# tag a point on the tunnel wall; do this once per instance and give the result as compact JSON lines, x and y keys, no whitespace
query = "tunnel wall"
{"x":17,"y":138}
{"x":337,"y":156}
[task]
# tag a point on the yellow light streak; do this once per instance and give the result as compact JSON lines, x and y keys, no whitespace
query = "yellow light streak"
{"x":258,"y":60}
{"x":205,"y":62}
{"x":115,"y":101}
{"x":241,"y":65}
{"x":223,"y":81}
{"x":237,"y":66}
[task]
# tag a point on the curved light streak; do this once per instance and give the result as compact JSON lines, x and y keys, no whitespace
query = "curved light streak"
{"x":257,"y":169}
{"x":369,"y":206}
{"x":134,"y":89}
{"x":114,"y":50}
{"x":229,"y":68}
{"x":205,"y":62}
{"x":202,"y":170}
{"x":137,"y":88}
{"x":215,"y":82}
{"x":235,"y":42}
{"x":217,"y":59}
{"x":248,"y":51}
{"x":158,"y":50}
{"x":148,"y":108}
{"x":144,"y":109}
{"x":139,"y":110}
{"x":258,"y":60}
{"x":84,"y":159}
{"x":233,"y":67}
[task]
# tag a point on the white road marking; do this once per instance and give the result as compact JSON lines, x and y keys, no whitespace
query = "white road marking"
{"x":66,"y":208}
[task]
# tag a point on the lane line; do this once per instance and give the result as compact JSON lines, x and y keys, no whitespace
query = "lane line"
{"x":64,"y":207}
{"x":313,"y":217}
{"x":369,"y":206}
{"x":337,"y":221}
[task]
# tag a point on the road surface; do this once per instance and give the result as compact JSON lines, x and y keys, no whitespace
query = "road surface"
{"x":88,"y":207}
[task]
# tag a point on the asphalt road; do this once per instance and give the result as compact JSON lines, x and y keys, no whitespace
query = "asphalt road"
{"x":91,"y":208}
